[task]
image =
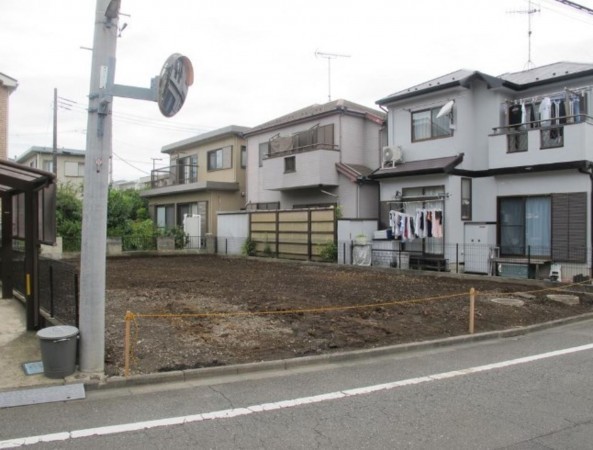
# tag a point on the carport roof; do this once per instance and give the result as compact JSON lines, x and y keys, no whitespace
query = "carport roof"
{"x":20,"y":178}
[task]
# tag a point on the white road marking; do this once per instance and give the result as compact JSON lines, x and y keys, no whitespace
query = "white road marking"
{"x":237,"y":412}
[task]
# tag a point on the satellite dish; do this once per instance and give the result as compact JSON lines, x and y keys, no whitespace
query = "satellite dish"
{"x":446,"y":109}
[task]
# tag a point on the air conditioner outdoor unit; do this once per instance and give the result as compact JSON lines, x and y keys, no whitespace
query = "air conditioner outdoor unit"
{"x":392,"y":156}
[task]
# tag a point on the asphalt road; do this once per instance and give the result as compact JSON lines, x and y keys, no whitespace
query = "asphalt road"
{"x":530,"y":392}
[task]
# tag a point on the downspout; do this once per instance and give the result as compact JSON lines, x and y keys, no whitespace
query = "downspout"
{"x":588,"y":170}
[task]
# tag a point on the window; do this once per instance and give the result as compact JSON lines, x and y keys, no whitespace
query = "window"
{"x":264,"y":148}
{"x":74,"y":169}
{"x":264,"y":205}
{"x":553,"y":226}
{"x":243,"y":157}
{"x":290,"y":164}
{"x":525,"y":226}
{"x":165,"y":216}
{"x":426,"y":125}
{"x":466,"y":199}
{"x":221,"y":158}
{"x":187,"y":169}
{"x":48,"y":165}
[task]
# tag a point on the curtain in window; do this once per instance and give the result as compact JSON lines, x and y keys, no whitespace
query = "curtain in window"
{"x":538,"y":225}
{"x":440,"y":126}
{"x":421,"y":125}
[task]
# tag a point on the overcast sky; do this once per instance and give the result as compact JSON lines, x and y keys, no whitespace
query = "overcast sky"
{"x":255,"y":60}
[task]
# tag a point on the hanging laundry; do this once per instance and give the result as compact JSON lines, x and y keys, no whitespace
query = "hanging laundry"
{"x":428,"y":217}
{"x":545,"y":111}
{"x":419,"y":229}
{"x":515,"y":116}
{"x":437,"y":225}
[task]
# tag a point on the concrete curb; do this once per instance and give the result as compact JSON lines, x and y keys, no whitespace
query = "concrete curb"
{"x":318,"y":360}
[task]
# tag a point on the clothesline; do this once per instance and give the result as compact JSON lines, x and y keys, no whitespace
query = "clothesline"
{"x":537,"y":98}
{"x":425,"y":223}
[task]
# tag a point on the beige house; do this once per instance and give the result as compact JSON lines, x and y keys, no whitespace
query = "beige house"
{"x":70,"y":163}
{"x":206,"y":174}
{"x":318,"y":156}
{"x":7,"y":87}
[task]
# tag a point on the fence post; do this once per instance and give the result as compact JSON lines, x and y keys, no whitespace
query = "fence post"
{"x":457,"y":258}
{"x":127,"y":343}
{"x":528,"y":260}
{"x":472,"y":309}
{"x":51,"y":290}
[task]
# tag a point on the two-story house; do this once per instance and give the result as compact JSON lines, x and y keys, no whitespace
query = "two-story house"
{"x":70,"y":164}
{"x":206,"y":174}
{"x":7,"y":86}
{"x":317,"y":156}
{"x":501,"y":161}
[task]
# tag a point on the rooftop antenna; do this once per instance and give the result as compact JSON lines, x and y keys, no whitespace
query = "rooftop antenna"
{"x":529,"y":11}
{"x":329,"y":57}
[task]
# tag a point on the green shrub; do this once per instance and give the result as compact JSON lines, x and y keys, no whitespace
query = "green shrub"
{"x":248,"y":247}
{"x":329,"y":252}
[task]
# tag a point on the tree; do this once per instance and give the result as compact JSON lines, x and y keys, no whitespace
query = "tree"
{"x":68,"y":216}
{"x":124,"y":209}
{"x":127,"y":215}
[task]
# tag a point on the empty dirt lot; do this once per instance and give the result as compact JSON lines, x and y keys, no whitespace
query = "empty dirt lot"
{"x":208,"y":310}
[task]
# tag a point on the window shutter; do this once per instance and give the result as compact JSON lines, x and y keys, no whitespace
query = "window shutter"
{"x":569,"y":227}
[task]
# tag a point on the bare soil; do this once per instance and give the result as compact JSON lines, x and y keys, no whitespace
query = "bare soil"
{"x":266,"y":309}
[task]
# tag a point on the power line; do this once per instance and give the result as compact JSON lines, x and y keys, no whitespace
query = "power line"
{"x":129,"y":164}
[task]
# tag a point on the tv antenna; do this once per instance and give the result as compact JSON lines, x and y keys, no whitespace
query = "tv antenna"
{"x":329,"y":57}
{"x":529,"y":11}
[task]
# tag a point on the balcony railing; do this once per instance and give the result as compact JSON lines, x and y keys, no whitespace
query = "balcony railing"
{"x":551,"y":132}
{"x":174,"y":175}
{"x":306,"y":148}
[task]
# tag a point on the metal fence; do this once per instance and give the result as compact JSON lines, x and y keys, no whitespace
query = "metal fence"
{"x":58,"y":286}
{"x":59,"y":290}
{"x":525,"y":262}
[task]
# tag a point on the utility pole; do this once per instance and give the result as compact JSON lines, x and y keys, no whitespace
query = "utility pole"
{"x":55,"y":139}
{"x":96,"y":180}
{"x":169,"y":90}
{"x":329,"y":57}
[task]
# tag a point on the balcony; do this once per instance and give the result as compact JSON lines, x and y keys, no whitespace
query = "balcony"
{"x":538,"y":144}
{"x":301,"y":168}
{"x":174,"y":175}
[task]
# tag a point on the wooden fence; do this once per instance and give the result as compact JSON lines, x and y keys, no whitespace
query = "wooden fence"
{"x":293,"y":234}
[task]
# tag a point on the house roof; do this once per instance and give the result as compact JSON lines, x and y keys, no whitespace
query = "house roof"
{"x":548,"y":73}
{"x":317,"y":110}
{"x":8,"y":82}
{"x":460,"y":77}
{"x":48,"y":151}
{"x":421,"y":167}
{"x":17,"y":177}
{"x":354,"y":172}
{"x":517,"y":81}
{"x":205,"y":138}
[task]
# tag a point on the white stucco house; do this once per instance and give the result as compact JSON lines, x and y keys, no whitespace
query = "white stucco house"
{"x":317,"y":156}
{"x":506,"y":162}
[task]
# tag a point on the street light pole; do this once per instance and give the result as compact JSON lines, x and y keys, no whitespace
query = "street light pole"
{"x":96,"y":181}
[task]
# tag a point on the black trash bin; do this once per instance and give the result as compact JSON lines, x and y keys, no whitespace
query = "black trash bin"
{"x":58,"y":350}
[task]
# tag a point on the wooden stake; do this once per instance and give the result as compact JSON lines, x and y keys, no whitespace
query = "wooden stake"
{"x":127,"y":338}
{"x":472,"y":309}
